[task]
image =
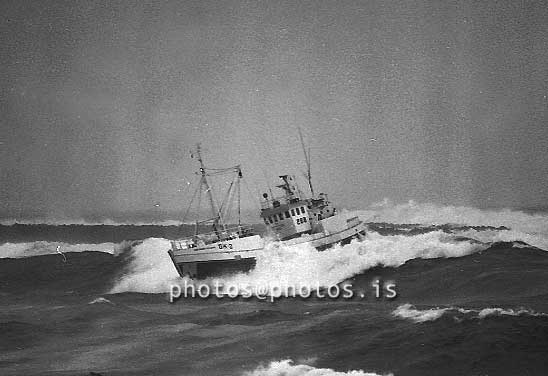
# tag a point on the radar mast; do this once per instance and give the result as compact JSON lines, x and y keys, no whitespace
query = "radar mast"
{"x":307,"y":160}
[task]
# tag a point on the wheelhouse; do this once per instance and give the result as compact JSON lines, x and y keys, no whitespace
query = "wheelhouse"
{"x":290,"y":215}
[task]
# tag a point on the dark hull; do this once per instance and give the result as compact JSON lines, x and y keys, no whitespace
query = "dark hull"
{"x":202,"y":270}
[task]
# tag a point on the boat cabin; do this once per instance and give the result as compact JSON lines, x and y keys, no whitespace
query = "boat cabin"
{"x":291,"y":215}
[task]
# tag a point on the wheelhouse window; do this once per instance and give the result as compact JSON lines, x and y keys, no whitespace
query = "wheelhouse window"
{"x":287,"y":214}
{"x":298,"y":211}
{"x":281,"y":216}
{"x":292,"y":212}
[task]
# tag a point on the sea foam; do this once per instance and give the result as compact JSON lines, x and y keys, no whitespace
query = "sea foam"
{"x":150,"y":269}
{"x":287,"y":368}
{"x":429,"y":213}
{"x":409,"y":312}
{"x":39,"y":248}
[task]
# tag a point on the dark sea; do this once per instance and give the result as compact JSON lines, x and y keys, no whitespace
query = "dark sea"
{"x":472,"y":299}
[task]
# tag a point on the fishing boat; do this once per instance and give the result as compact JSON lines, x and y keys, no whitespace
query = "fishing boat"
{"x":290,"y":218}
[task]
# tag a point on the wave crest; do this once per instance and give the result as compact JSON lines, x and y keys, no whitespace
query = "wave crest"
{"x":39,"y":248}
{"x":150,"y":269}
{"x":409,"y":312}
{"x":302,"y":265}
{"x":287,"y":368}
{"x":429,"y":213}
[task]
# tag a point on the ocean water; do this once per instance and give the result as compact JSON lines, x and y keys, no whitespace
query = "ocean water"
{"x":472,"y":299}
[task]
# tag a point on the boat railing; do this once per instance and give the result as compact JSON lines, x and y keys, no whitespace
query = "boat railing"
{"x":233,"y":232}
{"x":224,"y":234}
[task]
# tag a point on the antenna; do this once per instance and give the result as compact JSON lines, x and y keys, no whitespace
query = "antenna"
{"x":268,"y":184}
{"x":307,"y":160}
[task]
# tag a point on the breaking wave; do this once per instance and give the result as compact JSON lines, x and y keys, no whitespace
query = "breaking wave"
{"x":38,"y":248}
{"x":287,"y":368}
{"x":428,"y":213}
{"x":84,"y":222}
{"x":492,"y":236}
{"x":151,"y":270}
{"x":409,"y":312}
{"x":303,"y":265}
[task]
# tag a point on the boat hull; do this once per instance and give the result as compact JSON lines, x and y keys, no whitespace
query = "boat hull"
{"x":239,"y":255}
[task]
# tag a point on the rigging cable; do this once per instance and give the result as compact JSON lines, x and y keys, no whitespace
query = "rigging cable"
{"x":191,"y":201}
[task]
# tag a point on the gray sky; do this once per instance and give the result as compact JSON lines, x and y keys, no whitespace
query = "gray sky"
{"x":441,"y":101}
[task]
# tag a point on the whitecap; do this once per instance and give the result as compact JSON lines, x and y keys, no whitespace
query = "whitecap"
{"x":100,"y":300}
{"x":287,"y":368}
{"x":409,"y":312}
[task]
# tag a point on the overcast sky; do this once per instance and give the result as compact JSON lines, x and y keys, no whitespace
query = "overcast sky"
{"x":441,"y":101}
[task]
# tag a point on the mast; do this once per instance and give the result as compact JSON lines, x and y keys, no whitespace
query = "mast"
{"x":216,"y":214}
{"x":239,"y":199}
{"x":307,"y":160}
